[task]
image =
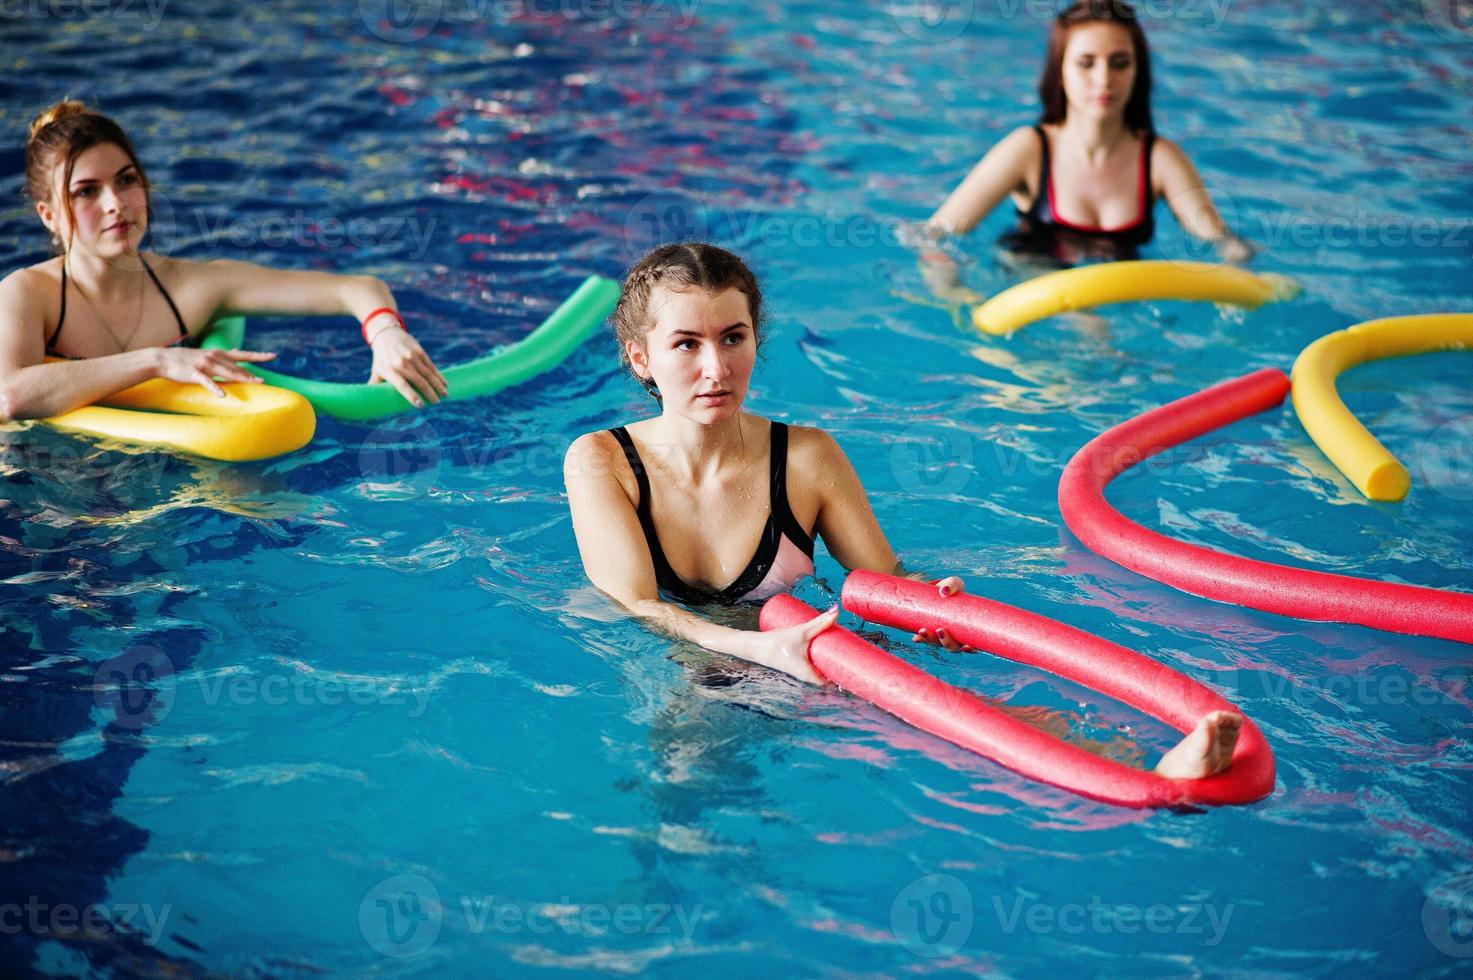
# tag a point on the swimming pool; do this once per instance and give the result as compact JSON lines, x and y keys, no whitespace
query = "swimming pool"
{"x":357,"y":710}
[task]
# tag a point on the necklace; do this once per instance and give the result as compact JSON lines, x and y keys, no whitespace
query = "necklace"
{"x":137,"y":319}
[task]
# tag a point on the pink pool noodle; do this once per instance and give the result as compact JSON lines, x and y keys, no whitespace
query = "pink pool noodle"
{"x":962,"y":718}
{"x":1297,"y":592}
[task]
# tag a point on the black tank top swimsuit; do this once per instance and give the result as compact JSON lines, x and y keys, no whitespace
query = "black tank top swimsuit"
{"x":1041,"y":231}
{"x":51,"y":350}
{"x":780,"y":524}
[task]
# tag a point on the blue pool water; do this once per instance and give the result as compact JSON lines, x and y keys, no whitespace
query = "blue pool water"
{"x":357,"y":711}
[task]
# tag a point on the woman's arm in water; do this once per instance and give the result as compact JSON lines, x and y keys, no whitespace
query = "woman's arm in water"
{"x":1002,"y":171}
{"x":1178,"y":182}
{"x":846,"y":521}
{"x":616,"y":559}
{"x":243,"y":287}
{"x":30,"y":388}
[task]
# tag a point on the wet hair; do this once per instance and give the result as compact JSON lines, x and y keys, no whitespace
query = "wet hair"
{"x":61,"y":134}
{"x":1051,"y":82}
{"x":687,"y":265}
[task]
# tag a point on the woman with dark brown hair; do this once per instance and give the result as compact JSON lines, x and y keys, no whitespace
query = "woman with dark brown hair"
{"x":667,"y":510}
{"x":1086,"y":178}
{"x":104,"y":315}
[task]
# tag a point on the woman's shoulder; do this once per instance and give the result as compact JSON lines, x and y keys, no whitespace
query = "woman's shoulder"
{"x":28,"y":287}
{"x":810,"y":447}
{"x":1022,"y":141}
{"x":593,"y":445}
{"x":47,"y":270}
{"x":173,"y":268}
{"x":1163,"y":148}
{"x":595,"y":459}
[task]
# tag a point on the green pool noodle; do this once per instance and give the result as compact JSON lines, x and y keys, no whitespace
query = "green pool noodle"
{"x":541,"y":350}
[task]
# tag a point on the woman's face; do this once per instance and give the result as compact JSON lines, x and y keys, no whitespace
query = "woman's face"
{"x":1099,"y":70}
{"x":700,"y":352}
{"x":109,"y":203}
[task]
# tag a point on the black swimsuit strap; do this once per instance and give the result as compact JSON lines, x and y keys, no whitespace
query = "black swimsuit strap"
{"x":782,"y":513}
{"x":51,"y":343}
{"x":61,"y":317}
{"x":646,"y":517}
{"x":183,"y":330}
{"x":1149,"y":204}
{"x":779,"y":521}
{"x":1041,"y":198}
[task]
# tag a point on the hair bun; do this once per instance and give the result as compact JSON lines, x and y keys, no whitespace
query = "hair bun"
{"x":62,"y":109}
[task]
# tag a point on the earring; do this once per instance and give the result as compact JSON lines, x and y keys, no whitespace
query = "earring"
{"x":652,"y":388}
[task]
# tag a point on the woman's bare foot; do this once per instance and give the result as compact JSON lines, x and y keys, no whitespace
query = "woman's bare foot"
{"x":1206,"y":751}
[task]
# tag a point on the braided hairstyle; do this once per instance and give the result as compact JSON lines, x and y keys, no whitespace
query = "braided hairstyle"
{"x":679,"y":267}
{"x":58,"y":136}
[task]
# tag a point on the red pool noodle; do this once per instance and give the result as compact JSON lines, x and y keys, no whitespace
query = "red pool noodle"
{"x":1297,"y":592}
{"x":962,"y":718}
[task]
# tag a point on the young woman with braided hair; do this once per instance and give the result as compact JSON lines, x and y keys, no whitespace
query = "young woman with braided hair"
{"x":667,"y":509}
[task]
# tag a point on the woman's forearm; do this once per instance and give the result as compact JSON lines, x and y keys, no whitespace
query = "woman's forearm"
{"x":686,"y":625}
{"x":779,"y":650}
{"x":361,"y":295}
{"x":43,"y":390}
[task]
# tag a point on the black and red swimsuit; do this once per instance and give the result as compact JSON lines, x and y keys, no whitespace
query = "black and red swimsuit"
{"x":1041,"y":231}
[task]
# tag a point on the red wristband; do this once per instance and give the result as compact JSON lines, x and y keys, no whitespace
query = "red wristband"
{"x":382,"y":309}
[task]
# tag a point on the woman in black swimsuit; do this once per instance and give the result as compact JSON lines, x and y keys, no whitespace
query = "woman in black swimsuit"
{"x":1086,"y":179}
{"x":103,"y":307}
{"x":667,"y":509}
